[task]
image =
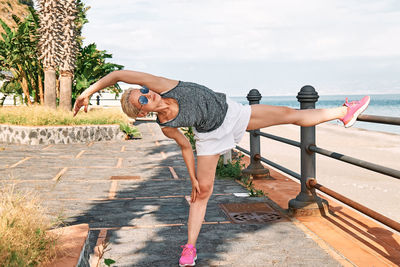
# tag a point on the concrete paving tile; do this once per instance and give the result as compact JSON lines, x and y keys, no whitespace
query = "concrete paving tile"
{"x":6,"y":162}
{"x":83,"y":173}
{"x":138,"y":212}
{"x":182,"y":172}
{"x":92,"y":190}
{"x":69,"y":162}
{"x":29,"y":173}
{"x":129,"y":156}
{"x":47,"y":162}
{"x":153,"y":188}
{"x":21,"y":147}
{"x":106,"y":145}
{"x":37,"y":188}
{"x":127,"y":163}
{"x":145,"y":171}
{"x":88,"y":162}
{"x":18,"y":153}
{"x":53,"y":154}
{"x":228,"y":186}
{"x":71,"y":210}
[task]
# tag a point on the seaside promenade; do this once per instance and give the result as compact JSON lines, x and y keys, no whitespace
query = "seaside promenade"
{"x":134,"y":196}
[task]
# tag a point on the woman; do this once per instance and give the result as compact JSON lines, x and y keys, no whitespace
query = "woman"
{"x":218,"y":124}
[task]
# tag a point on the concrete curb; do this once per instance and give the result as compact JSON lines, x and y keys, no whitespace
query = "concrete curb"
{"x":73,"y":244}
{"x":35,"y":135}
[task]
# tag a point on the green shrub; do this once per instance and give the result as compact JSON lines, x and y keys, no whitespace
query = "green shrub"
{"x":131,"y":132}
{"x":232,"y":169}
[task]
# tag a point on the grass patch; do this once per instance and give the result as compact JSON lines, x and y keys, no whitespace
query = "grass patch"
{"x":233,"y":170}
{"x":43,"y":116}
{"x":24,"y":240}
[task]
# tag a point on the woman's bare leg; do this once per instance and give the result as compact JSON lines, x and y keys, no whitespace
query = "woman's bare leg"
{"x":266,"y":115}
{"x":206,"y":166}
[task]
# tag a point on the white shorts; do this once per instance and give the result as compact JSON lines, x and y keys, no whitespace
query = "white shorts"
{"x":226,"y":136}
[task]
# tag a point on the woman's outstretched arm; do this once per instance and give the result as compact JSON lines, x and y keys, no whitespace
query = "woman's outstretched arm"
{"x":188,"y":156}
{"x":154,"y":83}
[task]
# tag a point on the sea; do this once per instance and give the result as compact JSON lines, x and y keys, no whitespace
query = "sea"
{"x":380,"y":105}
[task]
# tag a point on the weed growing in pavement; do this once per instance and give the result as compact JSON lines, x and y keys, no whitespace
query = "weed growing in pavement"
{"x":233,"y":169}
{"x":101,"y":250}
{"x":250,"y":187}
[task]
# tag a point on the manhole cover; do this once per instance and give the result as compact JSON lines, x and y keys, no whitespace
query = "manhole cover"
{"x":125,"y":178}
{"x":251,"y":213}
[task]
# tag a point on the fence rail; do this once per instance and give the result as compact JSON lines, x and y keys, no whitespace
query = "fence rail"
{"x":357,"y":162}
{"x":379,"y":119}
{"x":307,"y":98}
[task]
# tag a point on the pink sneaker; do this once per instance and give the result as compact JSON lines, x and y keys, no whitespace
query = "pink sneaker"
{"x":188,"y":256}
{"x":354,"y":109}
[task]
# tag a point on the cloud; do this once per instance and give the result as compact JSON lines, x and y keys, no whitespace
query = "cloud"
{"x":174,"y":33}
{"x":246,"y":29}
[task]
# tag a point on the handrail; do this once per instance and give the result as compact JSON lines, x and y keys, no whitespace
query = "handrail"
{"x":278,"y":138}
{"x":357,"y":162}
{"x":273,"y":164}
{"x":379,"y":119}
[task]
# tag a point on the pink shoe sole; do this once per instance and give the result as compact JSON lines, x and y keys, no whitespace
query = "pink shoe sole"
{"x":189,"y":264}
{"x":357,"y":113}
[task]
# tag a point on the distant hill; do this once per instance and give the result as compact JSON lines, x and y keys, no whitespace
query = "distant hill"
{"x":9,"y":7}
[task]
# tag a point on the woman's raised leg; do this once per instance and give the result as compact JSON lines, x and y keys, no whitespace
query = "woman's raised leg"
{"x":266,"y":115}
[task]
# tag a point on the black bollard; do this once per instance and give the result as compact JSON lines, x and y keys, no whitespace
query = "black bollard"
{"x":307,"y":202}
{"x":256,"y":170}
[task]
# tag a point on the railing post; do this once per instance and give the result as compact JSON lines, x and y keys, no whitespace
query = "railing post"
{"x":256,"y":170}
{"x":98,"y":100}
{"x":307,"y":202}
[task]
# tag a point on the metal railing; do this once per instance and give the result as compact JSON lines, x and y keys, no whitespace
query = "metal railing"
{"x":307,"y":98}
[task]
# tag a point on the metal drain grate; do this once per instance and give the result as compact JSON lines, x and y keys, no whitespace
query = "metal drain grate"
{"x":251,"y":213}
{"x":255,"y":217}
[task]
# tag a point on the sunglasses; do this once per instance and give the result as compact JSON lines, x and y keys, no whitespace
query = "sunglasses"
{"x":142,"y":99}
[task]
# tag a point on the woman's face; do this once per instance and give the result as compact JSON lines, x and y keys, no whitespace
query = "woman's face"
{"x":153,"y":101}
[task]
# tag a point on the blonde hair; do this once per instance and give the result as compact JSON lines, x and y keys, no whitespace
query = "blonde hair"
{"x":127,"y":106}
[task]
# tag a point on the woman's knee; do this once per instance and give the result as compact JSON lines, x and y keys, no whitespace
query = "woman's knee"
{"x":205,"y":191}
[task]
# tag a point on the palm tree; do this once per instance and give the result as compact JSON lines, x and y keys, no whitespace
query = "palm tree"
{"x":50,"y":46}
{"x":68,"y":53}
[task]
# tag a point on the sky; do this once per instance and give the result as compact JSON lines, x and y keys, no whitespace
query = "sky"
{"x":232,"y":46}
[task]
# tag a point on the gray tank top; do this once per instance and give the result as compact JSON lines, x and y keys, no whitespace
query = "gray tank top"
{"x":199,"y":107}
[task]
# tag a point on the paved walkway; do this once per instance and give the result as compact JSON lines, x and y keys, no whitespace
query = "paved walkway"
{"x":144,"y":216}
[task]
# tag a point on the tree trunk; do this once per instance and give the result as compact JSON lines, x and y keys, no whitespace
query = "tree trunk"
{"x":24,"y":85}
{"x":40,"y":85}
{"x":66,"y":90}
{"x":3,"y":99}
{"x":50,"y":99}
{"x":35,"y":87}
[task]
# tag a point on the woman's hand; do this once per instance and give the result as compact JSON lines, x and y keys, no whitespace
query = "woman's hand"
{"x":195,"y":190}
{"x":81,"y":101}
